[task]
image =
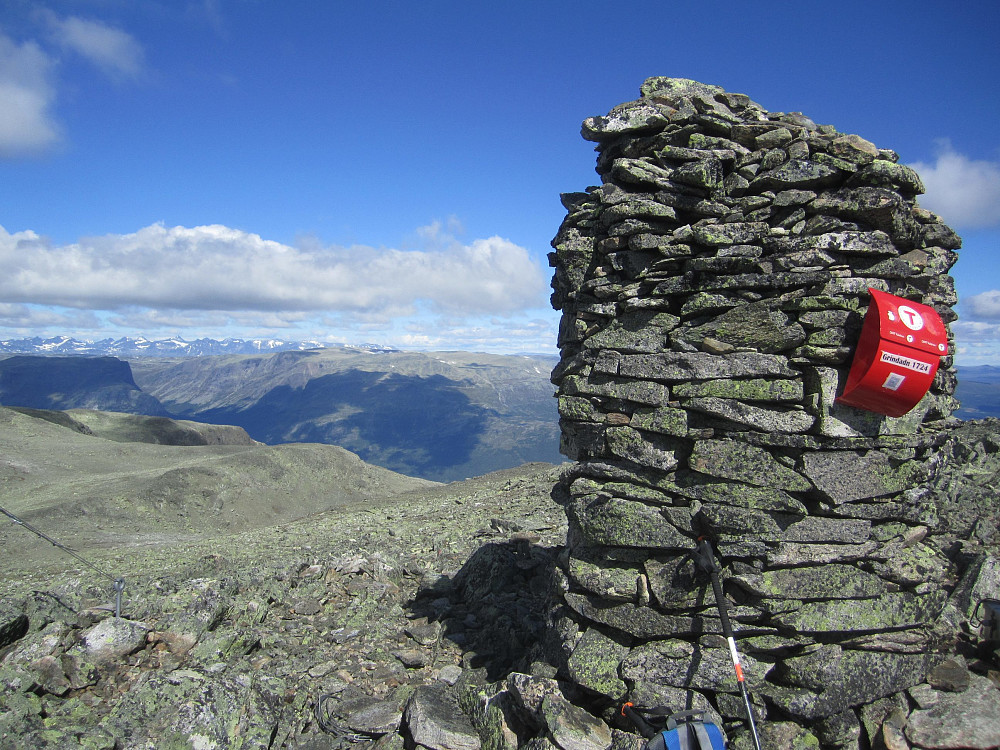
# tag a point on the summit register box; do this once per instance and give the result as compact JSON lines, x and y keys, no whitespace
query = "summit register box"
{"x":898,"y":353}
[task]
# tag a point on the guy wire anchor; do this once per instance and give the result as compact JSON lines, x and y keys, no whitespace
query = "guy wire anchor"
{"x":704,"y":557}
{"x":119,"y":588}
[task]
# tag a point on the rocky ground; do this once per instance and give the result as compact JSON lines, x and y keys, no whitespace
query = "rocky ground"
{"x":313,"y":634}
{"x":425,"y":617}
{"x":418,"y":622}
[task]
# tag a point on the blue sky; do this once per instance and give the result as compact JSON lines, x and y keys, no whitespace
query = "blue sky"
{"x":389,"y":172}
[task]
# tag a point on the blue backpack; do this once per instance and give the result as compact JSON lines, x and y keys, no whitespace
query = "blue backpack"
{"x":684,"y":730}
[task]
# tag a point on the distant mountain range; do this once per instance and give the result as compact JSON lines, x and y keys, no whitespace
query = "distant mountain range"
{"x":172,"y":347}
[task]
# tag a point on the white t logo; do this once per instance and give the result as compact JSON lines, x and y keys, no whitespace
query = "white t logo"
{"x":910,"y":317}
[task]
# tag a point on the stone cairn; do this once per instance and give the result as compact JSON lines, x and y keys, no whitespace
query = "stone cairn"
{"x":712,"y":291}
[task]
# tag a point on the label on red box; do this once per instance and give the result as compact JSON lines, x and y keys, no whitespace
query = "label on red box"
{"x":910,"y":364}
{"x":909,"y":323}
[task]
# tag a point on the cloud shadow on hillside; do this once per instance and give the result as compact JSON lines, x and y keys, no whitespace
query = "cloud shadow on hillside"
{"x":419,"y":426}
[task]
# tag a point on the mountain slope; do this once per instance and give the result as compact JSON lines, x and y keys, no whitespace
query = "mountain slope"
{"x":439,"y":416}
{"x":73,"y":382}
{"x":138,"y":428}
{"x":88,"y":490}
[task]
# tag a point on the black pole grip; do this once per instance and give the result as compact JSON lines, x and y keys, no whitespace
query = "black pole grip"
{"x":645,"y":728}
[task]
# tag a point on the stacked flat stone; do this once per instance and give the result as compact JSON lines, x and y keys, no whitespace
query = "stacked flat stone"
{"x":712,"y":291}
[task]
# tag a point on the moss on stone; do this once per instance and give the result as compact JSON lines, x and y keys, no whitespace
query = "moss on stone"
{"x":753,"y":389}
{"x":615,"y":583}
{"x":748,"y":496}
{"x":621,"y":523}
{"x":637,"y":332}
{"x":578,"y":408}
{"x":667,"y":420}
{"x":715,"y":235}
{"x":827,"y":337}
{"x":822,"y":302}
{"x":831,"y":581}
{"x":630,"y":491}
{"x":914,"y":564}
{"x":675,"y":582}
{"x":887,"y":612}
{"x":744,"y":463}
{"x":755,"y":326}
{"x":637,"y":391}
{"x":641,"y":448}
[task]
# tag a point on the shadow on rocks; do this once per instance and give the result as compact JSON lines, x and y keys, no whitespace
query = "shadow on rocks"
{"x":501,"y":610}
{"x":496,"y":607}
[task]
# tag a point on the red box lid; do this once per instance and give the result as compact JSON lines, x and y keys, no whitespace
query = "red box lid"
{"x":910,"y":323}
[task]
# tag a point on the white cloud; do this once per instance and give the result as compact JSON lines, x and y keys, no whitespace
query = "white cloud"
{"x":523,"y":334}
{"x":19,"y":320}
{"x":113,"y":51}
{"x":26,"y":97}
{"x":28,"y":80}
{"x":978,"y":342}
{"x":213,"y":323}
{"x":214,"y":281}
{"x":438,"y":234}
{"x":219,"y":268}
{"x":985,"y":306}
{"x":964,"y":192}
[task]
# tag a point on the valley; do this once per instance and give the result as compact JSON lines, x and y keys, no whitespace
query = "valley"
{"x":979,"y":392}
{"x":440,"y":416}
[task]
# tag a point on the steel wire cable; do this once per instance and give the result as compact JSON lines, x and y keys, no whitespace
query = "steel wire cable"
{"x":119,"y":582}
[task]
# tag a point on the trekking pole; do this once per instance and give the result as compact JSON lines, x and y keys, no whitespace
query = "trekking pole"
{"x":645,"y":728}
{"x":705,"y":558}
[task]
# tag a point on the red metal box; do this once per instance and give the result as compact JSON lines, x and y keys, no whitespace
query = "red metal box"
{"x":898,"y":353}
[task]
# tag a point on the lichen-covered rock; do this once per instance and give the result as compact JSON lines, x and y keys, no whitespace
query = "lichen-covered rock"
{"x":889,"y":611}
{"x":845,"y":678}
{"x":681,"y":665}
{"x":435,"y":721}
{"x":620,"y":523}
{"x":842,"y":476}
{"x":785,"y":735}
{"x":194,"y":708}
{"x":742,"y":462}
{"x":572,"y":728}
{"x":830,"y":581}
{"x":114,"y":638}
{"x":595,"y":663}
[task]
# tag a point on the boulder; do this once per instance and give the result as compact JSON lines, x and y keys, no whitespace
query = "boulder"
{"x":435,"y":721}
{"x":197,"y":708}
{"x":114,"y":638}
{"x":572,"y":728}
{"x":969,"y":719}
